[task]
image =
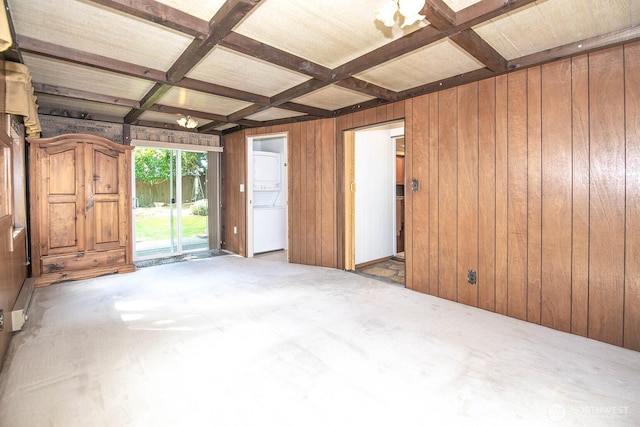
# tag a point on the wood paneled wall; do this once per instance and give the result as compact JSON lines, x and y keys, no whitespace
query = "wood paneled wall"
{"x":312,"y":191}
{"x":532,"y":179}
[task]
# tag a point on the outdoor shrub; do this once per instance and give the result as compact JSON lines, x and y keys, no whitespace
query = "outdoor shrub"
{"x":200,"y":208}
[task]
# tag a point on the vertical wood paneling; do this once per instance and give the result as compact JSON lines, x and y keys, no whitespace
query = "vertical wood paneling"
{"x":294,"y":170}
{"x":517,"y":195}
{"x":434,"y":172}
{"x":309,"y":194}
{"x":329,"y":184}
{"x":632,"y":247}
{"x":534,"y":198}
{"x":318,"y":186}
{"x":607,"y":189}
{"x":502,"y":278}
{"x":557,"y":153}
{"x":487,"y":195}
{"x":420,"y":199}
{"x":467,"y":192}
{"x":556,"y":197}
{"x":409,"y":125}
{"x":448,"y":189}
{"x":580,"y":200}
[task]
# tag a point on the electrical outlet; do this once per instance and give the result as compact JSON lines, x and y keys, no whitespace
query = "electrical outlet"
{"x":1,"y":320}
{"x":472,"y":277}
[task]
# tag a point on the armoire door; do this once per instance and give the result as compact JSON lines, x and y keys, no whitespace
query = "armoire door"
{"x":106,"y":198}
{"x":60,"y":217}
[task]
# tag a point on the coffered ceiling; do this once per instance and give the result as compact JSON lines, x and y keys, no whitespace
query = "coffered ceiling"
{"x":251,"y":63}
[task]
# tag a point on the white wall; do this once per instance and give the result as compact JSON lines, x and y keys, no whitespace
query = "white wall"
{"x":375,"y":195}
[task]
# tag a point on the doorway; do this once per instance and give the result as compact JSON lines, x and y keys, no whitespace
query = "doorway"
{"x":267,"y":194}
{"x":171,"y":201}
{"x":374,"y":195}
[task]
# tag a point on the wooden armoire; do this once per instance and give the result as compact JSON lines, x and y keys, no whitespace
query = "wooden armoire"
{"x":81,"y":218}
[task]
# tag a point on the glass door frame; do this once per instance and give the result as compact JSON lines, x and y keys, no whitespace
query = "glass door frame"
{"x":213,"y":195}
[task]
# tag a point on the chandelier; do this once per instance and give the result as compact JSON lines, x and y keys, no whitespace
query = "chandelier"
{"x":187,"y":122}
{"x":407,"y":12}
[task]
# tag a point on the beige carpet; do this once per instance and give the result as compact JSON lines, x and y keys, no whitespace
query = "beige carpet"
{"x":228,"y":341}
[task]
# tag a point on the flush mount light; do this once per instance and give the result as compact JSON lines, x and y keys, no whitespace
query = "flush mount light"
{"x":408,"y":11}
{"x":187,"y":122}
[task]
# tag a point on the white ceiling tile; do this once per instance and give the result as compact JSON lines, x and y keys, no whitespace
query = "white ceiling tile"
{"x":327,"y":32}
{"x":68,"y":75}
{"x":431,"y":63}
{"x":235,"y":70}
{"x":274,"y":114}
{"x":190,"y":99}
{"x":92,"y":28}
{"x":333,"y":98}
{"x":552,"y":23}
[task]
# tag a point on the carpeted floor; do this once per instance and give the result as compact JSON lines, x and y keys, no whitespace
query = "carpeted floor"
{"x":230,"y":341}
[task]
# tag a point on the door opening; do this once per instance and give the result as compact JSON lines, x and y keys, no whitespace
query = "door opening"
{"x":267,"y":194}
{"x":374,"y":195}
{"x":171,"y":207}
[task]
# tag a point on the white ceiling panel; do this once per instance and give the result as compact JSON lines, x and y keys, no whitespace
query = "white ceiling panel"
{"x":232,"y":69}
{"x":434,"y":62}
{"x":68,"y":75}
{"x":274,"y":114}
{"x":551,"y":23}
{"x":333,"y":98}
{"x":190,"y":99}
{"x":327,"y":32}
{"x":203,"y":9}
{"x":85,"y":26}
{"x":75,"y":106}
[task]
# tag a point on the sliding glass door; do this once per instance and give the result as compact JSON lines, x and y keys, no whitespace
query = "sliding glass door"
{"x":170,"y":204}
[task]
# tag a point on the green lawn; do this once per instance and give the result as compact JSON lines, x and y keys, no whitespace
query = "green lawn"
{"x":152,"y":227}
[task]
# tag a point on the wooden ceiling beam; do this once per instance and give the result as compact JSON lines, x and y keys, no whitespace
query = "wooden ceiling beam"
{"x":84,"y":95}
{"x":256,"y":49}
{"x":368,"y":88}
{"x":297,"y":91}
{"x":241,"y":114}
{"x":307,"y":109}
{"x":227,"y":92}
{"x":450,"y":82}
{"x":486,"y":10}
{"x":79,"y":57}
{"x":179,"y":111}
{"x":477,"y":47}
{"x":158,"y":13}
{"x":47,"y":111}
{"x":439,"y":14}
{"x":155,"y":93}
{"x":220,"y":26}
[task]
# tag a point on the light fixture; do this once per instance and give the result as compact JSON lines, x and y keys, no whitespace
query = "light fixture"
{"x":409,"y":11}
{"x":187,"y":122}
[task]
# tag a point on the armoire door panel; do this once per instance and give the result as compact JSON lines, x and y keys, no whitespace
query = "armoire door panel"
{"x":106,"y":222}
{"x":105,"y":173}
{"x":62,"y":225}
{"x":62,"y":172}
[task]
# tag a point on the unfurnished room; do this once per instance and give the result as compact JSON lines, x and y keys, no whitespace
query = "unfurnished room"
{"x":319,"y":213}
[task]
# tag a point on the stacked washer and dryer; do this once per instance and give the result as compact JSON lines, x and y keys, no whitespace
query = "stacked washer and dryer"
{"x":269,"y":209}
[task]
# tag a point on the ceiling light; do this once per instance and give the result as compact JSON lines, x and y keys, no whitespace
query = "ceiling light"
{"x":408,"y":11}
{"x":187,"y":122}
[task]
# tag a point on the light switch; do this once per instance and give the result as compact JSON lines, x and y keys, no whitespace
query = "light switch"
{"x":242,"y":188}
